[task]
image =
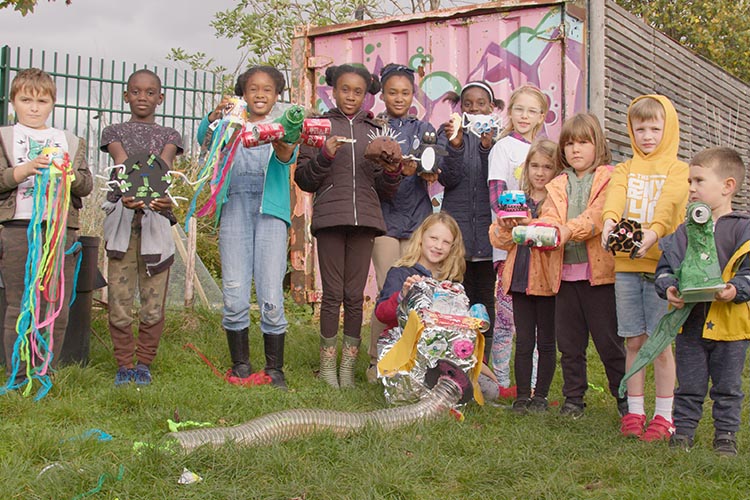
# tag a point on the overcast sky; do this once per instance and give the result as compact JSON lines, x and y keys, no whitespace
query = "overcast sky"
{"x":137,"y":31}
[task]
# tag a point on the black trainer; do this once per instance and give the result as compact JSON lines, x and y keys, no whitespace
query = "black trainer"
{"x":573,"y":410}
{"x":725,"y":444}
{"x":622,"y":406}
{"x":521,"y":406}
{"x":680,"y":442}
{"x":538,"y":404}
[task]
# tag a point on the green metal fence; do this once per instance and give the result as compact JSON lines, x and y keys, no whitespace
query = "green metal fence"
{"x":89,"y":95}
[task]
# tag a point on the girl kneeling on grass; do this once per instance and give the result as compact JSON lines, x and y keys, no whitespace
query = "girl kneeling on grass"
{"x":581,"y":271}
{"x":435,"y":250}
{"x":525,"y":276}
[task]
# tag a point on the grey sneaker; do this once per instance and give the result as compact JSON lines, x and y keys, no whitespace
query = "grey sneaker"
{"x":725,"y":444}
{"x":680,"y":442}
{"x":572,"y":410}
{"x":538,"y":404}
{"x":521,"y":406}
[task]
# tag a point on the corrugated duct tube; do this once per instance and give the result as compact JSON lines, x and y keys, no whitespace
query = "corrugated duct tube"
{"x":290,"y":424}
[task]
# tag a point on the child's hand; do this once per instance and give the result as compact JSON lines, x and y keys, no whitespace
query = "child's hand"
{"x":30,"y":168}
{"x":486,"y":140}
{"x":284,"y":150}
{"x":159,"y":204}
{"x":674,"y":299}
{"x":430,"y":177}
{"x":565,"y":234}
{"x":414,"y":278}
{"x":512,"y":222}
{"x":219,"y":110}
{"x":449,"y":130}
{"x":408,"y":167}
{"x":649,"y":238}
{"x":727,"y":294}
{"x":131,"y":203}
{"x":609,"y":225}
{"x":333,"y":144}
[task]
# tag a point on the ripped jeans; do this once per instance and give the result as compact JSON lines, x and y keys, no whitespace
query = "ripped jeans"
{"x":252,"y":246}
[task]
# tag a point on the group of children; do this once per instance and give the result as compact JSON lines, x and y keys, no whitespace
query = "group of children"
{"x":363,"y":210}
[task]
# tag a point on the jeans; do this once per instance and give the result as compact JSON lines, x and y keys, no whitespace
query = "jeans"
{"x":252,"y":246}
{"x":698,"y":361}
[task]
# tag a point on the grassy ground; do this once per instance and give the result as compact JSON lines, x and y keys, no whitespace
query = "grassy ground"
{"x":492,"y":454}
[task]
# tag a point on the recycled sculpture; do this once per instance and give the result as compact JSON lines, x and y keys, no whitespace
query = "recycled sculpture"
{"x":234,"y":130}
{"x":700,"y":278}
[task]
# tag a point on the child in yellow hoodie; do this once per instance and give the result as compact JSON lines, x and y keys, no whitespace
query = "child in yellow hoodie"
{"x":652,"y":189}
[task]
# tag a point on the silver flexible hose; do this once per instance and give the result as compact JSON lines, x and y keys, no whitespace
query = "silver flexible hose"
{"x":290,"y":424}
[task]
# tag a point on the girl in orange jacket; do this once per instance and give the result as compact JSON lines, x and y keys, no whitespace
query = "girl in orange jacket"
{"x":581,"y":272}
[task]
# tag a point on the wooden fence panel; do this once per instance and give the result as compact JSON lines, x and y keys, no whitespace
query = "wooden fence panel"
{"x":710,"y":102}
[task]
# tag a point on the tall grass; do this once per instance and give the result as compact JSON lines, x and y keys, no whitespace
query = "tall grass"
{"x":491,"y":454}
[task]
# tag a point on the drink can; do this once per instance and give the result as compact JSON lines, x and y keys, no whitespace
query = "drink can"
{"x":316,"y":126}
{"x":268,"y":132}
{"x":316,"y":141}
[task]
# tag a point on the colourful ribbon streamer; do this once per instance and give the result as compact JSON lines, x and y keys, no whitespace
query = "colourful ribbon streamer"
{"x":44,"y":279}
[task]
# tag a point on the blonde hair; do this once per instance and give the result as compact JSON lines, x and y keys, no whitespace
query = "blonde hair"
{"x":646,"y":109}
{"x":34,"y":81}
{"x":454,"y":265}
{"x":584,"y":127}
{"x":533,"y":91}
{"x":546,"y":148}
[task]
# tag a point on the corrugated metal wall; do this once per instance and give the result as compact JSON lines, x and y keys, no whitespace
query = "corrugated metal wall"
{"x":712,"y":105}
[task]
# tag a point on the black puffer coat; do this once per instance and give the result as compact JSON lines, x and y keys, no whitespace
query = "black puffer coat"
{"x":347,"y":188}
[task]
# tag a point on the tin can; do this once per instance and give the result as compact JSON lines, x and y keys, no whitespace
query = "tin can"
{"x":316,"y":126}
{"x":268,"y":132}
{"x":543,"y":237}
{"x":248,"y":137}
{"x":316,"y":141}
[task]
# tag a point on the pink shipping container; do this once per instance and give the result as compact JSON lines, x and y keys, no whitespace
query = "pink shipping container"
{"x":583,"y":55}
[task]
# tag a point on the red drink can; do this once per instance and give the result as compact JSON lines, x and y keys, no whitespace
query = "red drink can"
{"x":316,"y":126}
{"x":248,"y":137}
{"x":268,"y":132}
{"x":316,"y":141}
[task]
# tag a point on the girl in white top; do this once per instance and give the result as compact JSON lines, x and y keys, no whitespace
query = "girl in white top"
{"x":527,"y":110}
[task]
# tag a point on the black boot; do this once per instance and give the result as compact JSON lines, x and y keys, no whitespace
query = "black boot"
{"x":239,"y":350}
{"x":274,"y":347}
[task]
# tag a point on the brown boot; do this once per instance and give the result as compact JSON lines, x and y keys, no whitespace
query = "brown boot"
{"x":349,"y":351}
{"x":328,"y":361}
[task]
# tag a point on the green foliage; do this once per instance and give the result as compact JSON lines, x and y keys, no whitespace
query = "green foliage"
{"x":24,"y":6}
{"x":492,"y":454}
{"x":719,"y":30}
{"x":264,"y":28}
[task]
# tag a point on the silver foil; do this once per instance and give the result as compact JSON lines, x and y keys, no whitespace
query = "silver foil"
{"x":444,"y":309}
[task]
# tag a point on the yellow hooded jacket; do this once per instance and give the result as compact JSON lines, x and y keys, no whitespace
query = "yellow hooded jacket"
{"x":728,"y":321}
{"x":650,"y":188}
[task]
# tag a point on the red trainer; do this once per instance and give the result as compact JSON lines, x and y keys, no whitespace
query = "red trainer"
{"x":258,"y":378}
{"x":632,"y":424}
{"x":659,"y":429}
{"x":508,"y":392}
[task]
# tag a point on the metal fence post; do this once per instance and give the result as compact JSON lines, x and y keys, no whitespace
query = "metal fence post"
{"x":4,"y":83}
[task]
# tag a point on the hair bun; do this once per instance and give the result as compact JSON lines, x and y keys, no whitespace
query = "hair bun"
{"x":330,"y":73}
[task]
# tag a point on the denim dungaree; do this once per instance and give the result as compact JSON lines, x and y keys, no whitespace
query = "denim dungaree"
{"x":252,"y":246}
